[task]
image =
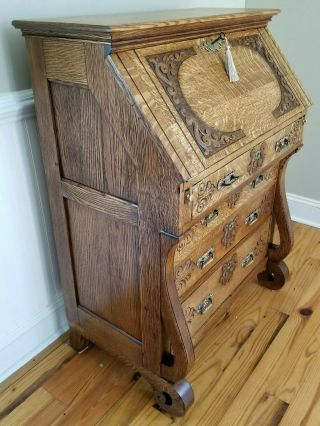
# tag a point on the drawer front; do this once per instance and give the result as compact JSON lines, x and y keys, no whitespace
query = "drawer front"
{"x":232,"y":270}
{"x":208,"y":251}
{"x":220,"y":184}
{"x":218,"y":215}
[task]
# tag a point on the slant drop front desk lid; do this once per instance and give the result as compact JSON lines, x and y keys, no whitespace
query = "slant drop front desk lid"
{"x":180,"y":83}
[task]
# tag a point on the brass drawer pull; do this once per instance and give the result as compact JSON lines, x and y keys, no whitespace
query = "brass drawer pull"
{"x":252,"y":218}
{"x":206,"y":258}
{"x":228,"y":180}
{"x":257,"y":181}
{"x":248,"y":260}
{"x":205,"y":305}
{"x":210,"y":218}
{"x":282,"y":144}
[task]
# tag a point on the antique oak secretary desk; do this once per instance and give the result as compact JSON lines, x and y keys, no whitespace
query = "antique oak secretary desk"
{"x":165,"y":178}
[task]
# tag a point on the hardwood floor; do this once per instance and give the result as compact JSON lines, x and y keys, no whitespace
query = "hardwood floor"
{"x":260,"y":365}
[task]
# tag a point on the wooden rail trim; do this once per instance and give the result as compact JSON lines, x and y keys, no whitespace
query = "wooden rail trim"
{"x":65,"y":61}
{"x":112,"y":206}
{"x":109,"y":337}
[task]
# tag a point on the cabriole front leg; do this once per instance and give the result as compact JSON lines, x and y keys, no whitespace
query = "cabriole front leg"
{"x":277,"y":271}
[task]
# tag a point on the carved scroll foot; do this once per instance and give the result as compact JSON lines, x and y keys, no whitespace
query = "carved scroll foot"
{"x":174,"y":399}
{"x":77,"y":341}
{"x":274,"y":276}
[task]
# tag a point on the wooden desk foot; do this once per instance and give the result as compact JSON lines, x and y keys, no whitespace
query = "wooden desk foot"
{"x":274,"y":276}
{"x":77,"y":341}
{"x":174,"y":399}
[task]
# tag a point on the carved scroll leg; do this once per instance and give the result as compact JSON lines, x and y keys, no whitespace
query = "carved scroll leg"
{"x":77,"y":341}
{"x":277,"y":271}
{"x":174,"y":398}
{"x":174,"y":321}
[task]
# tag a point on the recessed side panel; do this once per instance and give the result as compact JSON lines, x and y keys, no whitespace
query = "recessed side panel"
{"x":105,"y":260}
{"x":90,"y":153}
{"x":79,"y":135}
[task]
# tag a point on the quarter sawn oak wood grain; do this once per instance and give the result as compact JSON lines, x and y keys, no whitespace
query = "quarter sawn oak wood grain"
{"x":163,"y":178}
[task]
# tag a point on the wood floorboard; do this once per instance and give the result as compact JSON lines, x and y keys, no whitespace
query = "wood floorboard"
{"x":25,"y":369}
{"x":258,"y":365}
{"x":29,"y":381}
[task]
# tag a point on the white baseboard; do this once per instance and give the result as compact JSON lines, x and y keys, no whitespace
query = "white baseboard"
{"x":304,"y":210}
{"x":28,"y":341}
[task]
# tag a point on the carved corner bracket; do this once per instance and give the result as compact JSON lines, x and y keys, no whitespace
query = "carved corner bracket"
{"x":209,"y":139}
{"x":166,"y":67}
{"x":288,"y":100}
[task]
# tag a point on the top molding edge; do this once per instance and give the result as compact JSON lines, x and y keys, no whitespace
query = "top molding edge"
{"x":126,"y":36}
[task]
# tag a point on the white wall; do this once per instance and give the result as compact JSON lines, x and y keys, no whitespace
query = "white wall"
{"x":31,"y":308}
{"x":296,"y":30}
{"x":31,"y":304}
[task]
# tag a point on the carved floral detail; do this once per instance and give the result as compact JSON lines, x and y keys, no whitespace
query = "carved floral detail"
{"x":166,"y":67}
{"x":266,"y":203}
{"x":288,"y":100}
{"x":206,"y":191}
{"x":257,"y":156}
{"x":296,"y":130}
{"x":186,"y":240}
{"x":229,"y":232}
{"x":269,"y":174}
{"x":183,"y":274}
{"x":227,"y":270}
{"x":189,"y":313}
{"x":260,"y":246}
{"x":233,"y":199}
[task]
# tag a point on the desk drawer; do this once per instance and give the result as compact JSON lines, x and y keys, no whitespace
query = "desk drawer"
{"x":211,"y":190}
{"x":221,"y":212}
{"x":212,"y":247}
{"x":231,"y":271}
